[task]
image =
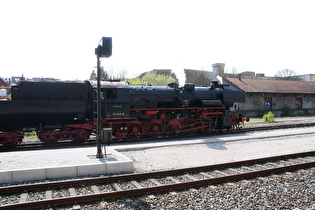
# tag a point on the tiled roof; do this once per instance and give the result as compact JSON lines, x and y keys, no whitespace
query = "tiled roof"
{"x":273,"y":86}
{"x":3,"y":83}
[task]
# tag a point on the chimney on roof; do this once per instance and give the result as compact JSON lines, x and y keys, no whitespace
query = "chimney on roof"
{"x":239,"y":76}
{"x":218,"y":70}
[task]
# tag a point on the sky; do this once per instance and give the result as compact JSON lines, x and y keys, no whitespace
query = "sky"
{"x":57,"y":38}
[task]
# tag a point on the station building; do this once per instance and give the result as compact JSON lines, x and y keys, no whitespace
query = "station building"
{"x":281,"y":97}
{"x":5,"y":89}
{"x":263,"y":94}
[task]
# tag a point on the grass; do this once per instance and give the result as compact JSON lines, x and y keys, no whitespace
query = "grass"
{"x":30,"y":136}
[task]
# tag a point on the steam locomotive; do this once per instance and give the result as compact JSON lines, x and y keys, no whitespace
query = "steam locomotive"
{"x":60,"y":111}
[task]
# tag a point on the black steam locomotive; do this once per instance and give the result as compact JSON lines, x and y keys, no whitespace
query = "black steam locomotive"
{"x":60,"y":111}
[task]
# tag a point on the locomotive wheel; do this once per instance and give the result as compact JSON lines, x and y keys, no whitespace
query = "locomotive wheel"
{"x":48,"y":137}
{"x":174,"y":126}
{"x":155,"y":127}
{"x":116,"y":130}
{"x":11,"y":139}
{"x":134,"y":130}
{"x":81,"y":135}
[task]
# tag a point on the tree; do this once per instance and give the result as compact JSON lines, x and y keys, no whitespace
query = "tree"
{"x":233,"y":70}
{"x":157,"y":79}
{"x":93,"y":75}
{"x":116,"y":73}
{"x":134,"y":81}
{"x":110,"y":74}
{"x":287,"y":74}
{"x":313,"y":80}
{"x":104,"y":75}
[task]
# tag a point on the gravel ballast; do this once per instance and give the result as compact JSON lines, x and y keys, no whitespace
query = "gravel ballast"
{"x":292,"y":190}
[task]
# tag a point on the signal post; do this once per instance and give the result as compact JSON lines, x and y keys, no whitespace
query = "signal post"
{"x":104,"y":50}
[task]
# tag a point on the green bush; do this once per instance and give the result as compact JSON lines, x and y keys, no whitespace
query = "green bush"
{"x":32,"y":133}
{"x":157,"y":79}
{"x":260,"y":108}
{"x":286,"y":111}
{"x":152,"y":79}
{"x":269,"y":117}
{"x":135,"y":81}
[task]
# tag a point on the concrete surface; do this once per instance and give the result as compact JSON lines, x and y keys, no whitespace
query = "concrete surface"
{"x":22,"y":166}
{"x":152,"y":155}
{"x":218,"y":149}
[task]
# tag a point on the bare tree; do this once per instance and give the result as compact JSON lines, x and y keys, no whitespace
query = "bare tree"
{"x":110,"y":73}
{"x":287,"y":74}
{"x":116,"y":73}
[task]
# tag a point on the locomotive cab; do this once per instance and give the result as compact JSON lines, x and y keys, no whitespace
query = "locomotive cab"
{"x":115,"y":99}
{"x":115,"y":103}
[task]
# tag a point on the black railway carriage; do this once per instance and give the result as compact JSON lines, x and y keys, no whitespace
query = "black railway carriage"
{"x":51,"y":103}
{"x":60,"y":111}
{"x":45,"y":107}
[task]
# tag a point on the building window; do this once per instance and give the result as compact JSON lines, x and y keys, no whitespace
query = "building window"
{"x":298,"y":103}
{"x":3,"y":92}
{"x":268,"y":103}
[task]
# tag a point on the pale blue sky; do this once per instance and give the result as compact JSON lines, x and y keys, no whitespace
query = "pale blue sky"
{"x":45,"y":38}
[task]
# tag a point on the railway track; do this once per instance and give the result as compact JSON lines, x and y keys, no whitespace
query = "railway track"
{"x":275,"y":126}
{"x":39,"y":145}
{"x":43,"y":195}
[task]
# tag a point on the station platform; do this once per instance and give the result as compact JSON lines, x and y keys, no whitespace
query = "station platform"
{"x":19,"y":166}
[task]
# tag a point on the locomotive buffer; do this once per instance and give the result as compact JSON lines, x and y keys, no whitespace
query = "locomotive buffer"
{"x":104,"y":50}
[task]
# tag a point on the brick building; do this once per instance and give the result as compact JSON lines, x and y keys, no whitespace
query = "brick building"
{"x":282,"y":97}
{"x":5,"y":89}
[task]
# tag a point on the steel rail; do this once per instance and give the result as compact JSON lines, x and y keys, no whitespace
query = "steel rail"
{"x":156,"y":189}
{"x":127,"y":177}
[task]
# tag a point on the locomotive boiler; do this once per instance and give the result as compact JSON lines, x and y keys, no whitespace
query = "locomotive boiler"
{"x":60,"y":111}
